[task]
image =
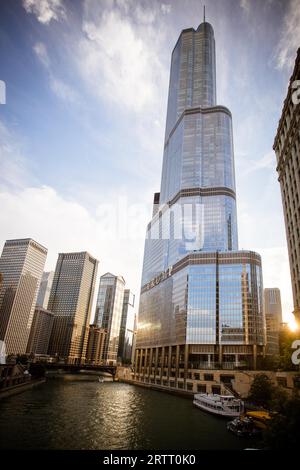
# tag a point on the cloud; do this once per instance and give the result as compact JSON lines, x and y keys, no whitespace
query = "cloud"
{"x":45,"y":10}
{"x":64,"y":225}
{"x":268,"y":161}
{"x":58,"y":86}
{"x":119,"y":57}
{"x":64,"y":91}
{"x":166,"y":8}
{"x":42,"y":54}
{"x":289,"y":42}
{"x":245,"y":5}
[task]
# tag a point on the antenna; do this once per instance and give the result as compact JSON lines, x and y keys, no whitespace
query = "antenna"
{"x":204,"y":14}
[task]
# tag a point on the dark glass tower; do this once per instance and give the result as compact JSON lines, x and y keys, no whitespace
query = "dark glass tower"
{"x":201,"y":298}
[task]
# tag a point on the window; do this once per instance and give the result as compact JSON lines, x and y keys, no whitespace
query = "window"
{"x":209,"y":377}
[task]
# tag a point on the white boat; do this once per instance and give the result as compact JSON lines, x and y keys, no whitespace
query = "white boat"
{"x":221,"y":405}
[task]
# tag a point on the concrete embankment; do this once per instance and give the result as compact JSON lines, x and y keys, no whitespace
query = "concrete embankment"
{"x":19,"y":388}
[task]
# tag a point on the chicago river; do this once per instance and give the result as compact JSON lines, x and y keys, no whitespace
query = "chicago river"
{"x":78,"y":412}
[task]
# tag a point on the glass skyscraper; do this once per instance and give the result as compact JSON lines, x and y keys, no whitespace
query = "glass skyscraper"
{"x":21,"y":264}
{"x":127,"y":328}
{"x":71,"y":300}
{"x":109,"y":308}
{"x":201,"y":302}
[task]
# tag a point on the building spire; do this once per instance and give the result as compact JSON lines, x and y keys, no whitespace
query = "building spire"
{"x":204,"y":14}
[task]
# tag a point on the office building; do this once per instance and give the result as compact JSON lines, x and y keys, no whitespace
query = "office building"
{"x":40,"y":332}
{"x":71,"y":300}
{"x":287,"y":149}
{"x":44,"y":290}
{"x":95,"y":345}
{"x":21,"y":264}
{"x":273,"y":314}
{"x":201,"y":303}
{"x":108,"y":315}
{"x":127,"y":328}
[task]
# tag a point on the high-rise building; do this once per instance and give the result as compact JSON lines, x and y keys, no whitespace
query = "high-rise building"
{"x":287,"y":149}
{"x":44,"y":290}
{"x":201,"y":303}
{"x":71,"y":300}
{"x":273,"y":314}
{"x":109,"y":313}
{"x":95,"y":346}
{"x":127,"y":327}
{"x":40,"y":332}
{"x":21,"y":264}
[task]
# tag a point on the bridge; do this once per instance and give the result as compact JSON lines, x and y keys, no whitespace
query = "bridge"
{"x":78,"y":367}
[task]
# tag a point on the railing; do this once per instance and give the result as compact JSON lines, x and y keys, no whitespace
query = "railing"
{"x":217,"y":365}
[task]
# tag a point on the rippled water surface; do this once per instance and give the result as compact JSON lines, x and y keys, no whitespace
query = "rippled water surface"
{"x":78,"y":412}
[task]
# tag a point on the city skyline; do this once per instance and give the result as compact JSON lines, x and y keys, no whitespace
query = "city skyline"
{"x":72,"y":194}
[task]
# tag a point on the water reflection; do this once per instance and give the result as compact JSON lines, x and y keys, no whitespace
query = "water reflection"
{"x":78,"y":412}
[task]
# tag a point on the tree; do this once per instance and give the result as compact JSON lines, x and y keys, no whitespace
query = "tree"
{"x":22,"y":359}
{"x":286,"y":339}
{"x":283,"y":431}
{"x":261,"y":391}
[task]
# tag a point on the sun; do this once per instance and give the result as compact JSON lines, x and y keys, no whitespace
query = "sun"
{"x":292,"y":324}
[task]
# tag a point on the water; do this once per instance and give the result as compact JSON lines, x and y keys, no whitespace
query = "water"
{"x":78,"y":412}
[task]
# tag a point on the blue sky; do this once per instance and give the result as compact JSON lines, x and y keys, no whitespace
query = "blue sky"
{"x":81,"y":133}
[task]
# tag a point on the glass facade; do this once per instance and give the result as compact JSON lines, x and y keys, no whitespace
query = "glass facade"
{"x":45,"y":289}
{"x":199,"y":292}
{"x":70,"y":300}
{"x":212,"y":300}
{"x":127,"y":327}
{"x":109,"y":309}
{"x":21,"y":264}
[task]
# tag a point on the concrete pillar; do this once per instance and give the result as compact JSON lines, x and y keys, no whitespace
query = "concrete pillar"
{"x":254,"y":356}
{"x":220,"y":354}
{"x":150,"y":362}
{"x":162,"y":362}
{"x":140,"y":361}
{"x":208,"y":360}
{"x":136,"y":362}
{"x":236,"y":360}
{"x":169,"y":362}
{"x":156,"y":361}
{"x":145,"y":363}
{"x":186,"y":359}
{"x":177,"y":363}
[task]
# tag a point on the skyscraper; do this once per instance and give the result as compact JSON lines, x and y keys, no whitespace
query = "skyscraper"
{"x":71,"y":300}
{"x":287,"y":149}
{"x":21,"y":264}
{"x":40,"y":332}
{"x":201,"y":299}
{"x":95,"y":346}
{"x":109,"y":313}
{"x":45,"y":289}
{"x":273,"y":313}
{"x":127,"y":327}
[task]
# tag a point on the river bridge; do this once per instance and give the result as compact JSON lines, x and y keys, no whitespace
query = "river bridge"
{"x":78,"y":367}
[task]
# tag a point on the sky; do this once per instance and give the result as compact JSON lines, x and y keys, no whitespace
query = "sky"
{"x":81,"y":132}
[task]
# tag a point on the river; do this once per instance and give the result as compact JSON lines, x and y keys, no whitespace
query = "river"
{"x":78,"y":412}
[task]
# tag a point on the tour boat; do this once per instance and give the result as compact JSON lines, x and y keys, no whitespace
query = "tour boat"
{"x":221,"y":405}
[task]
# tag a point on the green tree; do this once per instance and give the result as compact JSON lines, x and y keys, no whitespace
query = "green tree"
{"x":286,"y":338}
{"x":261,"y":391}
{"x":283,"y":431}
